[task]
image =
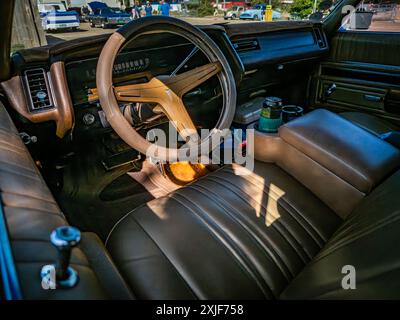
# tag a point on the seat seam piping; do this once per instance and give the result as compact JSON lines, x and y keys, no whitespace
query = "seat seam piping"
{"x":288,"y":211}
{"x":315,"y":231}
{"x":165,"y":256}
{"x":271,"y":252}
{"x":288,"y":231}
{"x":30,"y":196}
{"x":214,"y":233}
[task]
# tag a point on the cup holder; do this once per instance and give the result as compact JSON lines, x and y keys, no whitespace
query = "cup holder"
{"x":291,"y":112}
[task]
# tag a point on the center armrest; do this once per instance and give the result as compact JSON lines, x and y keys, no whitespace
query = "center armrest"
{"x":351,"y":153}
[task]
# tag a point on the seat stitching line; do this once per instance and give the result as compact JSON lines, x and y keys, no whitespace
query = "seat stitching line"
{"x":264,"y":246}
{"x":296,"y":249}
{"x":134,"y":209}
{"x":118,"y":222}
{"x":126,"y":261}
{"x":30,"y":196}
{"x":8,"y":144}
{"x":360,"y":234}
{"x":13,"y":164}
{"x":301,"y":226}
{"x":214,"y":234}
{"x":317,"y":233}
{"x":291,"y":206}
{"x":296,"y":246}
{"x":52,"y":261}
{"x":294,"y":243}
{"x":20,"y":174}
{"x":11,"y":147}
{"x":248,"y":204}
{"x":165,"y":256}
{"x":29,"y":240}
{"x":34,"y":209}
{"x":288,"y":211}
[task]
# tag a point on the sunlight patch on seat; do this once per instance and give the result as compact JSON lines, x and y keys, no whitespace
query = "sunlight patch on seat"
{"x":158,"y":208}
{"x":272,"y":207}
{"x":266,"y":203}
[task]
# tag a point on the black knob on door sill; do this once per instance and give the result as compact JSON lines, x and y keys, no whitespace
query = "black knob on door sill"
{"x":64,"y":239}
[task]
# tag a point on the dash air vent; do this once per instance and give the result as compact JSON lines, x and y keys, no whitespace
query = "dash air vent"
{"x":243,"y":45}
{"x":38,"y":89}
{"x":319,"y":37}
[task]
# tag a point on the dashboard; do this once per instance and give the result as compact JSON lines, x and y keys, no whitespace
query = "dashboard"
{"x":260,"y":54}
{"x":81,"y":74}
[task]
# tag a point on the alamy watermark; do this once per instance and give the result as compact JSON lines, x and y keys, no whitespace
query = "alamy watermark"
{"x":349,"y":280}
{"x":48,"y":275}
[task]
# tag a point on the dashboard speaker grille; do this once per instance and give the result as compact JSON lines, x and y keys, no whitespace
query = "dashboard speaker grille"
{"x":243,"y":45}
{"x":38,"y":89}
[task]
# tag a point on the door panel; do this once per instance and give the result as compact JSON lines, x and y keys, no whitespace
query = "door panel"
{"x":365,"y":69}
{"x":366,"y":46}
{"x":350,"y":95}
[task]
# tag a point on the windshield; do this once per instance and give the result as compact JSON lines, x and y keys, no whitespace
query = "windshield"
{"x":56,"y":21}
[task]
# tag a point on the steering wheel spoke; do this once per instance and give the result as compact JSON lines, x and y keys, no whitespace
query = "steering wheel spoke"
{"x":156,"y":91}
{"x":187,"y":81}
{"x":167,"y":92}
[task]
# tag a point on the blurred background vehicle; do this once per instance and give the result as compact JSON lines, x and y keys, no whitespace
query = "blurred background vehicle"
{"x":55,"y":16}
{"x":258,"y":12}
{"x":106,"y":17}
{"x":234,"y":13}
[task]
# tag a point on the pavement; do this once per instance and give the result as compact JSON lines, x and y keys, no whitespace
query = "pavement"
{"x":385,"y":26}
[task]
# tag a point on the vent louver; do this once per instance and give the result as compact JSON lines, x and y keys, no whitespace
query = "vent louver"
{"x":243,"y":45}
{"x":38,"y":89}
{"x":319,"y":37}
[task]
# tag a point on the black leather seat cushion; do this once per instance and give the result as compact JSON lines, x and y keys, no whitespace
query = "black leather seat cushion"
{"x":227,"y":236}
{"x":369,"y":241}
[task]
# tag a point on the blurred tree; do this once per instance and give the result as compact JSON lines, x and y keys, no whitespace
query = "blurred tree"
{"x":205,"y":8}
{"x":303,"y":8}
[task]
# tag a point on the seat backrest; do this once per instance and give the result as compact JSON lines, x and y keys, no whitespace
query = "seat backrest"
{"x":31,"y":213}
{"x":368,"y":240}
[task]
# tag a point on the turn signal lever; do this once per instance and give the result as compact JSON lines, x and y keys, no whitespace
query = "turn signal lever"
{"x":64,"y":239}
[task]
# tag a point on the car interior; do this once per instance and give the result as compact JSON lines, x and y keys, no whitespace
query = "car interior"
{"x":323,"y":194}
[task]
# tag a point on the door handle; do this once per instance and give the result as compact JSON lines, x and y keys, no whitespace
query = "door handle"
{"x":372,"y":98}
{"x":328,"y":92}
{"x":331,"y":89}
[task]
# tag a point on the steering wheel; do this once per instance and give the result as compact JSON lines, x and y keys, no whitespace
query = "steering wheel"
{"x":166,"y":91}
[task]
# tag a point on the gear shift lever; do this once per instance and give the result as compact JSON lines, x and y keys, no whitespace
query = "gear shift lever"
{"x":64,"y":239}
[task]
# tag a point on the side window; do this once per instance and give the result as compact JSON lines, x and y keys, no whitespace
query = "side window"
{"x":372,"y":16}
